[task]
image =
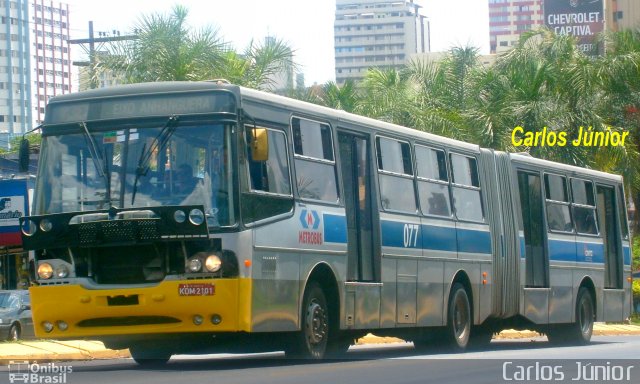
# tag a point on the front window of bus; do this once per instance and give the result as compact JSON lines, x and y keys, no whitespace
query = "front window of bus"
{"x":90,"y":169}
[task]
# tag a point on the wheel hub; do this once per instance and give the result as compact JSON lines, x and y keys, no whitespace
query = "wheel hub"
{"x":316,"y":323}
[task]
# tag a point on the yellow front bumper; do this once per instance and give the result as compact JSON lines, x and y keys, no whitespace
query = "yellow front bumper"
{"x":158,"y":309}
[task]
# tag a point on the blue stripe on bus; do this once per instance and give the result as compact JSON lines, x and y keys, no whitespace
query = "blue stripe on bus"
{"x":523,"y":248}
{"x":626,"y":254}
{"x":435,"y":238}
{"x":473,"y":241}
{"x":335,"y":228}
{"x":562,"y":250}
{"x":596,"y":251}
{"x":393,"y":235}
{"x":438,"y":238}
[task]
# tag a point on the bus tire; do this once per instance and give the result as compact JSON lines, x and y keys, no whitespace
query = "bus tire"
{"x":581,"y":330}
{"x":458,"y":319}
{"x":148,"y":356}
{"x":311,"y":341}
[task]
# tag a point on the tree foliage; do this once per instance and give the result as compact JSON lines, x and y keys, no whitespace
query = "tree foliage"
{"x":545,"y":81}
{"x":168,"y":49}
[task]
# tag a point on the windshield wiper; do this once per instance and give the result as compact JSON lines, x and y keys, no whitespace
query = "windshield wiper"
{"x":157,"y":144}
{"x":98,"y":161}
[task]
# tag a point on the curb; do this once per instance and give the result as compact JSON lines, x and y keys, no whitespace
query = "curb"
{"x":54,"y":350}
{"x":599,"y":330}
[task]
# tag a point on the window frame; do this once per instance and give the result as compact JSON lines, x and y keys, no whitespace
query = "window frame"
{"x":392,"y":173}
{"x":622,"y":212}
{"x":259,"y":191}
{"x":584,"y":206}
{"x":405,"y":176}
{"x":453,"y":185}
{"x":422,"y":179}
{"x":548,"y":201}
{"x":312,"y":159}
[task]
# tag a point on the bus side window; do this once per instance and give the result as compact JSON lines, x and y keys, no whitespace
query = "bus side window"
{"x":395,"y":173}
{"x":584,"y":207}
{"x":314,"y":160}
{"x":272,"y":176}
{"x":466,"y":188}
{"x":622,"y":207}
{"x":433,"y":181}
{"x":557,"y":199}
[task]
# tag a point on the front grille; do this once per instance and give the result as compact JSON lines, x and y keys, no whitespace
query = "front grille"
{"x":127,"y":321}
{"x":118,"y":231}
{"x":134,"y":264}
{"x":128,"y":265}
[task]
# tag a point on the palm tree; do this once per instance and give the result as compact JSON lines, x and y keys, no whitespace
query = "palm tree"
{"x":167,"y":49}
{"x":387,"y":96}
{"x":345,"y":97}
{"x":445,"y":91}
{"x":618,"y":72}
{"x":258,"y":66}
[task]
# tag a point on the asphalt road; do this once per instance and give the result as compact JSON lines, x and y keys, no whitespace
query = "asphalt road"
{"x":606,"y":359}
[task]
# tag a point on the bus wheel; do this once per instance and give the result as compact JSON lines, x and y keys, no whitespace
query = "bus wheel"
{"x":311,"y":341}
{"x":585,"y":316}
{"x":149,"y":356}
{"x":458,"y":318}
{"x":581,"y":330}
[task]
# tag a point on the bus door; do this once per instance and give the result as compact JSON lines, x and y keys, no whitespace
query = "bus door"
{"x":536,"y":292}
{"x":613,"y":299}
{"x":363,"y":264}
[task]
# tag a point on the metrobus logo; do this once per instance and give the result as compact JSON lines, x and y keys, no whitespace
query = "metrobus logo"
{"x":310,"y":222}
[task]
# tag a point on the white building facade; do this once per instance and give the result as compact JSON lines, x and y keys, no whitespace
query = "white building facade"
{"x":15,"y":85}
{"x":376,"y":33}
{"x":35,"y":62}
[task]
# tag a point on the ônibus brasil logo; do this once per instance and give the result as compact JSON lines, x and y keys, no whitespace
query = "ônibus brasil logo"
{"x":31,"y":373}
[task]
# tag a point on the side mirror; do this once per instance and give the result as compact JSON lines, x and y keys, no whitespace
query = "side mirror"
{"x":25,"y":307}
{"x":259,"y":144}
{"x":23,"y":156}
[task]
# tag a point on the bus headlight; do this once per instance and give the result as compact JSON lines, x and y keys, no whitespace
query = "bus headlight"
{"x":196,"y":217}
{"x":213,"y":263}
{"x":179,"y":216}
{"x":46,"y":225}
{"x":45,"y":271}
{"x":29,"y":227}
{"x":194,"y":265}
{"x":62,"y":271}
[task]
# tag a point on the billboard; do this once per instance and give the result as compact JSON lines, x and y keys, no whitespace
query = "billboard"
{"x":13,"y":205}
{"x":580,"y":18}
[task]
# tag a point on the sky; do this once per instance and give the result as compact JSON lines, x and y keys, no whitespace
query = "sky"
{"x":307,"y":25}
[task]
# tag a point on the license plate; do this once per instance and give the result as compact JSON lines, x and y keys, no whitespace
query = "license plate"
{"x":196,"y":289}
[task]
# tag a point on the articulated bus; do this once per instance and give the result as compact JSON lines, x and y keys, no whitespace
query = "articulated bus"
{"x":192,"y":217}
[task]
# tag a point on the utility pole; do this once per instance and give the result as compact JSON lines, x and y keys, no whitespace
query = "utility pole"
{"x":92,"y":50}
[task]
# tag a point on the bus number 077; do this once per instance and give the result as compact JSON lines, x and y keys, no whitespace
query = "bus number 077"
{"x":411,"y":235}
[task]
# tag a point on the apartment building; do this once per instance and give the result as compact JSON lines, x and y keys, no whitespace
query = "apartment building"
{"x":376,"y":33}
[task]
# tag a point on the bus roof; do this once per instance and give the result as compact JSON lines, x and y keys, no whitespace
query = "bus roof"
{"x":329,"y":113}
{"x":561,"y":167}
{"x":309,"y":108}
{"x":144,"y":88}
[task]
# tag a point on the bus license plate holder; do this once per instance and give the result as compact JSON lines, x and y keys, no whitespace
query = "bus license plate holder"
{"x":196,"y":289}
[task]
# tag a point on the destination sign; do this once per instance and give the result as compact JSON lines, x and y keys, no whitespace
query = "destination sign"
{"x":140,"y":106}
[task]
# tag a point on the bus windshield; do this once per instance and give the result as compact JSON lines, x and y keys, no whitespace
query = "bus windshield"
{"x":186,"y":164}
